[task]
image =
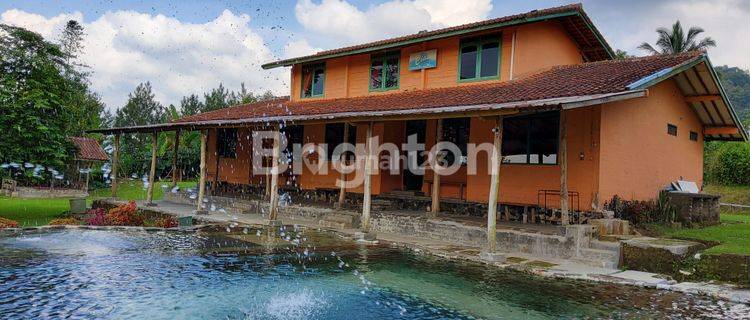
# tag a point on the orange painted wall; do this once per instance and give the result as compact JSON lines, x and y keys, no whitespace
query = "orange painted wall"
{"x":520,"y":183}
{"x":639,"y":158}
{"x":315,"y":133}
{"x":538,"y":46}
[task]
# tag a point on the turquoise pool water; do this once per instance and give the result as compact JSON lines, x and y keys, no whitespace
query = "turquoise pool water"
{"x":291,"y":274}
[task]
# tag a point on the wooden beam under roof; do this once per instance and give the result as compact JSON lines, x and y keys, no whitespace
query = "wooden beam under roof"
{"x":703,"y":97}
{"x":721,"y":130}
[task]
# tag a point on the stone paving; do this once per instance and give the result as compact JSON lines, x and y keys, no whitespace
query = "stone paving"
{"x":546,"y":267}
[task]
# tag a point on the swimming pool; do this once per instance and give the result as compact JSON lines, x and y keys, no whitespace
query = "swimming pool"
{"x":291,"y":273}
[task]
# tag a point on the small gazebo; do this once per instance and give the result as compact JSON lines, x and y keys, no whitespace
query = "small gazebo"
{"x":88,"y":153}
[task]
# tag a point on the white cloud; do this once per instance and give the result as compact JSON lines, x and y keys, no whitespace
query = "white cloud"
{"x":299,"y":48}
{"x":124,"y":48}
{"x":349,"y":24}
{"x":628,"y":24}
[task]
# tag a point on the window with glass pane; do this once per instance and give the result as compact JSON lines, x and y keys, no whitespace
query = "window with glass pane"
{"x":226,"y":139}
{"x":313,"y":80}
{"x":468,"y":62}
{"x":543,"y":133}
{"x":456,"y":130}
{"x":479,"y":59}
{"x":531,"y":139}
{"x":515,"y":138}
{"x":334,"y":136}
{"x":384,"y":71}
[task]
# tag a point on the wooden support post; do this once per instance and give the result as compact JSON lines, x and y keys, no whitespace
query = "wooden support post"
{"x":435,"y":206}
{"x":152,"y":173}
{"x":88,"y":176}
{"x":175,"y":175}
{"x":367,"y":201}
{"x":533,"y":215}
{"x":115,"y":162}
{"x":274,"y":198}
{"x":202,"y":181}
{"x":342,"y":187}
{"x":507,"y":213}
{"x":494,"y":185}
{"x":563,"y":154}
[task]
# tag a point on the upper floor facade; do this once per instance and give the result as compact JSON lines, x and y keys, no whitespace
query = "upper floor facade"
{"x":495,"y":50}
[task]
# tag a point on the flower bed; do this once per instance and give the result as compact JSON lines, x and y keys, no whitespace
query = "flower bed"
{"x":7,"y":223}
{"x":123,"y":215}
{"x":64,"y":222}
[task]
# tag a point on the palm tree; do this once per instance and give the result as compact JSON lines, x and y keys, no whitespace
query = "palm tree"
{"x":676,"y":41}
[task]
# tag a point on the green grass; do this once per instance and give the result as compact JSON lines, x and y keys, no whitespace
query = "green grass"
{"x":37,"y":212}
{"x":733,"y":233}
{"x":730,"y":194}
{"x":133,"y":190}
{"x":32,"y":212}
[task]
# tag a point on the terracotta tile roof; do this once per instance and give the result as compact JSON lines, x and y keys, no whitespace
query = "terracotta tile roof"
{"x":581,"y":29}
{"x":89,"y":149}
{"x":603,"y":77}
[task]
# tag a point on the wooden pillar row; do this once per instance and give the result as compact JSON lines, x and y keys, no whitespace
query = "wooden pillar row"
{"x":494,"y":185}
{"x":342,"y":187}
{"x":175,"y":175}
{"x":563,"y":154}
{"x":115,"y":163}
{"x":435,"y":193}
{"x":274,"y":197}
{"x":367,"y":200}
{"x":152,"y":173}
{"x":202,"y":180}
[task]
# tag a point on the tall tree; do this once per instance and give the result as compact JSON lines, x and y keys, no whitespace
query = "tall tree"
{"x":216,"y":99}
{"x":141,"y":109}
{"x":677,"y":41}
{"x":190,"y":105}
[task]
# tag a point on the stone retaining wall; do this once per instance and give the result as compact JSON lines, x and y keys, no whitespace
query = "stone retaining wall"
{"x":537,"y":244}
{"x":36,"y":193}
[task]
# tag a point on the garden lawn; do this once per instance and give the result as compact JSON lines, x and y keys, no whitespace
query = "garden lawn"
{"x":32,"y":212}
{"x":133,"y":190}
{"x":733,"y":233}
{"x":37,"y":212}
{"x":730,"y":194}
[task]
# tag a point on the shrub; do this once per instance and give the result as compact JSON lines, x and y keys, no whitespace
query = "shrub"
{"x":123,"y":215}
{"x":7,"y":223}
{"x":166,"y":222}
{"x":99,"y":217}
{"x":728,"y":163}
{"x":63,"y":222}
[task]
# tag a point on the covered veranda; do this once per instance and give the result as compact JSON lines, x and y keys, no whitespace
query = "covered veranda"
{"x":494,"y":113}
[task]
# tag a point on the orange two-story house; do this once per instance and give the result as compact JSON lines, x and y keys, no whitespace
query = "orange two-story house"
{"x":543,"y":87}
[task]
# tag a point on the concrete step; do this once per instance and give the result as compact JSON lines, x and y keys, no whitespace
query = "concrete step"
{"x":600,"y":257}
{"x":605,"y":245}
{"x":341,"y":217}
{"x":334,"y":224}
{"x":596,"y":263}
{"x":382,"y":205}
{"x":339,"y":220}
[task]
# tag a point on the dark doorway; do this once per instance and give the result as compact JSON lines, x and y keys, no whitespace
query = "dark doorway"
{"x":412,"y":180}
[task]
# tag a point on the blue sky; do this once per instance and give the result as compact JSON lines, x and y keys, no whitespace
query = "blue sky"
{"x":190,"y":46}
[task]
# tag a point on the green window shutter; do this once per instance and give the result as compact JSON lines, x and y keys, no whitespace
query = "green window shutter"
{"x":479,"y":59}
{"x":384,"y":71}
{"x":313,"y":81}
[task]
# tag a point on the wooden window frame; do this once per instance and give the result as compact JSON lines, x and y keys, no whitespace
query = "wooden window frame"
{"x":312,"y":68}
{"x":383,"y":59}
{"x":479,"y":43}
